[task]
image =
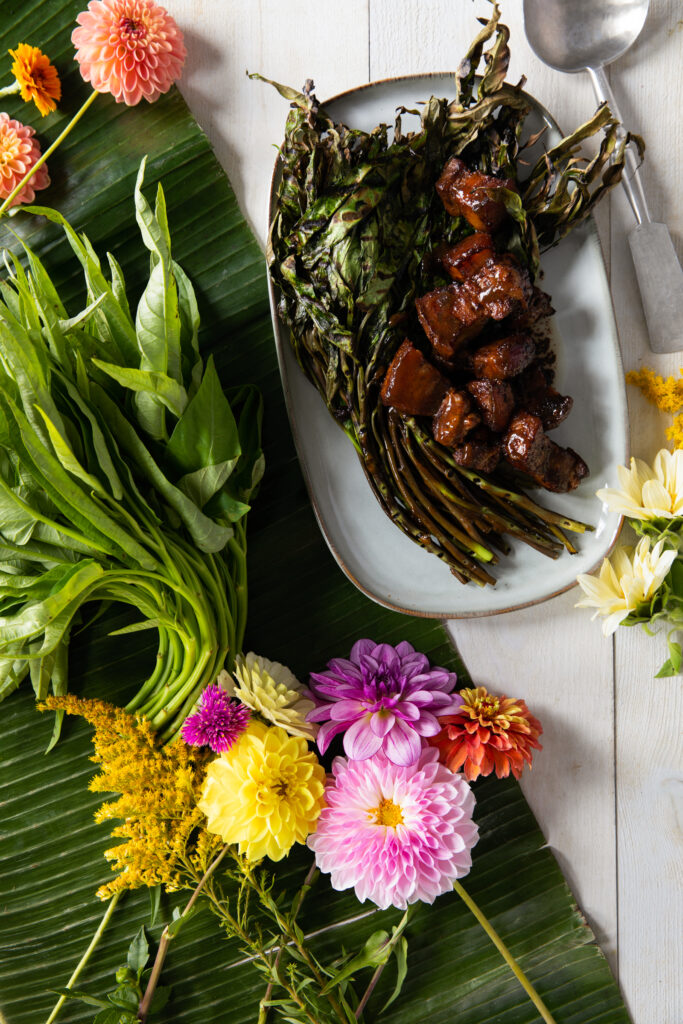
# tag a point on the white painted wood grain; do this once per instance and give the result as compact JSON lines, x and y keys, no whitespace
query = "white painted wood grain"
{"x":649,"y":85}
{"x":604,"y":787}
{"x":287,"y":42}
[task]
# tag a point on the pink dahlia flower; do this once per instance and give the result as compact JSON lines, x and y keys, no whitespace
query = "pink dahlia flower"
{"x":19,"y":151}
{"x":383,"y":698}
{"x":395,"y":835}
{"x":130,"y":48}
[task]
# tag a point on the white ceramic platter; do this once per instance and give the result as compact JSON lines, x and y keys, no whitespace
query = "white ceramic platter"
{"x":371,"y":550}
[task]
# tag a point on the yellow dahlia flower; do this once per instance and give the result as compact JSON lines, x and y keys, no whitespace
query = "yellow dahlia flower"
{"x":649,"y":492}
{"x":265,"y":793}
{"x":626,"y":582}
{"x":274,"y":692}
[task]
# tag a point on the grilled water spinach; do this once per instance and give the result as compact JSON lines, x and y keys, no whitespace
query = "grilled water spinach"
{"x":368,"y":223}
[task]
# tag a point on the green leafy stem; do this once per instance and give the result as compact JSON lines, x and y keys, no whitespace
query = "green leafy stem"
{"x":126,"y":473}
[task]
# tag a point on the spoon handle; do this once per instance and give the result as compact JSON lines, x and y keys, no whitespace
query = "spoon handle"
{"x":631,"y":179}
{"x":659,"y":274}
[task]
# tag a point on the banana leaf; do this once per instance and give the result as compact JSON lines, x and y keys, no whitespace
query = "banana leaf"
{"x":302,"y":612}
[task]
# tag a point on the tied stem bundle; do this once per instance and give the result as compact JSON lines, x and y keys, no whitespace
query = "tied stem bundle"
{"x":125,"y":474}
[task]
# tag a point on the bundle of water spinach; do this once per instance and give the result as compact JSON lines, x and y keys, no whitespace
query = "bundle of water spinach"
{"x":125,"y":473}
{"x":357,"y":220}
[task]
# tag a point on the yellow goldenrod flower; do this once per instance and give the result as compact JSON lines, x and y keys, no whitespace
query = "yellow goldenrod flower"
{"x":264,"y":793}
{"x":274,"y":692}
{"x":626,"y":582}
{"x":649,"y":492}
{"x":37,"y":78}
{"x":665,"y":393}
{"x":162,"y":828}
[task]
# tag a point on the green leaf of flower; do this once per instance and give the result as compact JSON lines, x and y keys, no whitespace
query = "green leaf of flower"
{"x":138,"y":952}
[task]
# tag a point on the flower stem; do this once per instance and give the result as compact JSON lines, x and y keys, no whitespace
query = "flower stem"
{"x":263,"y":1009}
{"x":86,"y":956}
{"x":48,"y":152}
{"x":506,"y":954}
{"x":380,"y":967}
{"x":9,"y":89}
{"x":146,"y":1000}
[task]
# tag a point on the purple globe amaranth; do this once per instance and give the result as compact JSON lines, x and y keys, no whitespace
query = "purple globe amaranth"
{"x":382,"y":698}
{"x":218,"y":721}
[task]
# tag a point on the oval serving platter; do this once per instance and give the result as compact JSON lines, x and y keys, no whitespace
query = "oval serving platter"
{"x":370,"y":549}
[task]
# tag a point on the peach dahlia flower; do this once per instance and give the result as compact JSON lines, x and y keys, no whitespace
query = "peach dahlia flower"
{"x":130,"y":48}
{"x":18,"y":153}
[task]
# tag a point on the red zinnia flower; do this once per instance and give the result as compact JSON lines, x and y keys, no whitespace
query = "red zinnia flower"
{"x":130,"y":48}
{"x":488,"y":733}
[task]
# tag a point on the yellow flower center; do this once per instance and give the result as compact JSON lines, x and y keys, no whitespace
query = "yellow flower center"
{"x":387,"y":813}
{"x":488,"y":707}
{"x":9,"y":147}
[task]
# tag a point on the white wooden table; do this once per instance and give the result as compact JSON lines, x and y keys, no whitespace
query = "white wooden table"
{"x":606,"y":786}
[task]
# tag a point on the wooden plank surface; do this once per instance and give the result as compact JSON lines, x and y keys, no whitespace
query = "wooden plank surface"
{"x":606,"y":785}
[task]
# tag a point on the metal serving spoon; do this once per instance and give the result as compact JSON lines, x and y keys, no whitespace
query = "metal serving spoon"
{"x":586,"y":35}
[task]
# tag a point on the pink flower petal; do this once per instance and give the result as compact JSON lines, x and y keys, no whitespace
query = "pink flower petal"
{"x":360,"y":742}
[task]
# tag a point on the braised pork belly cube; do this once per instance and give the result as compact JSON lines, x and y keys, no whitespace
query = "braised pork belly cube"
{"x":450,"y":317}
{"x":538,"y":307}
{"x":535,"y":395}
{"x":470,"y":194}
{"x":481,"y":451}
{"x":501,"y":286}
{"x":412,"y":385}
{"x":527,"y":448}
{"x":465,"y":258}
{"x":495,"y":402}
{"x":454,"y":418}
{"x":504,"y":358}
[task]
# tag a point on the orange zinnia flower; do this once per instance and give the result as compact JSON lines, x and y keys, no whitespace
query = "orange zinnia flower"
{"x":488,"y":733}
{"x":38,"y":79}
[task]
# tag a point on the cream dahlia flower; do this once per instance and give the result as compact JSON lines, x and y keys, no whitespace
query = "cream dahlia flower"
{"x":626,"y":582}
{"x":274,"y":692}
{"x":649,"y":493}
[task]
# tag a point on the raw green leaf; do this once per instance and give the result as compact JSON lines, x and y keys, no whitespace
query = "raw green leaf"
{"x":401,"y":954}
{"x":206,"y":434}
{"x":138,"y":952}
{"x":375,"y":951}
{"x":149,"y":382}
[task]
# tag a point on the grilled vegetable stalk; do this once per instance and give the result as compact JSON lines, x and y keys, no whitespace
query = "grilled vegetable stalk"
{"x":350,"y":248}
{"x":125,"y":474}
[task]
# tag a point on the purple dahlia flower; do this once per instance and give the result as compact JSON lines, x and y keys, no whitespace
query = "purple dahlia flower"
{"x":217,"y":722}
{"x":382,"y":698}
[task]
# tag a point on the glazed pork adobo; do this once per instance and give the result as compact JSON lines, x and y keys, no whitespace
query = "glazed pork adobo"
{"x":480,"y":377}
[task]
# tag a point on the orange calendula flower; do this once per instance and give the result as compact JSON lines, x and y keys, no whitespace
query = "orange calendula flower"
{"x":37,"y":77}
{"x":488,"y":733}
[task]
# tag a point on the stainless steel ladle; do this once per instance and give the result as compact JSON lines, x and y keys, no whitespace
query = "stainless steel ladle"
{"x":586,"y":35}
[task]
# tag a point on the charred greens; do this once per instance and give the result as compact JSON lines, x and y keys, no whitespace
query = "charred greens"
{"x":357,"y":216}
